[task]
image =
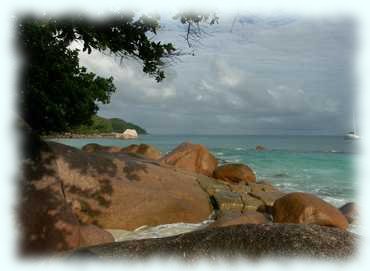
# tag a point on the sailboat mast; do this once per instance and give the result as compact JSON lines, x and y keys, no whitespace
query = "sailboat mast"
{"x":354,"y":123}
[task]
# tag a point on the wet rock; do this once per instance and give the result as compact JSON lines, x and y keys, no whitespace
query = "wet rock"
{"x":249,"y":241}
{"x":304,"y":208}
{"x":240,"y":188}
{"x":349,"y":210}
{"x":211,"y":186}
{"x":262,"y":187}
{"x":260,"y":148}
{"x":280,"y":175}
{"x":268,"y":198}
{"x":252,"y":203}
{"x":227,"y":200}
{"x":191,"y":157}
{"x":235,"y":173}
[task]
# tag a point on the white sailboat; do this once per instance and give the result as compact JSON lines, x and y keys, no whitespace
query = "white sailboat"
{"x":352,"y":135}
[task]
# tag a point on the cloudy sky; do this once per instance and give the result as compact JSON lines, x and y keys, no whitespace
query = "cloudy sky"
{"x":269,"y":75}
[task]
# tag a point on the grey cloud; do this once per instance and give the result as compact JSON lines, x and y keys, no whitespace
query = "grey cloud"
{"x":269,"y":75}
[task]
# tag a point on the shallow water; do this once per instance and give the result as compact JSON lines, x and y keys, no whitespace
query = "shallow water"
{"x":323,"y":165}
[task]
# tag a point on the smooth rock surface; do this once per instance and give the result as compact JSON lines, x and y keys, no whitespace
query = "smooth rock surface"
{"x":235,"y":173}
{"x":249,"y":241}
{"x":191,"y":157}
{"x":124,"y":192}
{"x":304,"y":208}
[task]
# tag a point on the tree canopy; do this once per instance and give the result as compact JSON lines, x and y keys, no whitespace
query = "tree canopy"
{"x":57,"y":94}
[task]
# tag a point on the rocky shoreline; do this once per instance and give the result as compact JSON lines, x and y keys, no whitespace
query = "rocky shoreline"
{"x":73,"y":199}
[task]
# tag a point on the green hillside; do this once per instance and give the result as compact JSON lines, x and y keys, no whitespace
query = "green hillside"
{"x":103,"y":125}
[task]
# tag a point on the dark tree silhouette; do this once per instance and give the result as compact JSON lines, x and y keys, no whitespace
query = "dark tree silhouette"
{"x":56,"y":92}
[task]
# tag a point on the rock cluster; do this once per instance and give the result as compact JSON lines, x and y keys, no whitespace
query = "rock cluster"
{"x":70,"y":197}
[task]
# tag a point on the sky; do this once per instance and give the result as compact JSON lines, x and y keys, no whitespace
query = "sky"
{"x":261,"y":75}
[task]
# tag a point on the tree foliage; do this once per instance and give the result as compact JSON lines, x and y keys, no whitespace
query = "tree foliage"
{"x":103,"y":125}
{"x":57,"y":93}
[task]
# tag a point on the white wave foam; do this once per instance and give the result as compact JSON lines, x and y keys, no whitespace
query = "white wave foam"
{"x":165,"y":230}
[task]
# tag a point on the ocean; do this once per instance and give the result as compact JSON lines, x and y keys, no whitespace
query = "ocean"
{"x":322,"y":165}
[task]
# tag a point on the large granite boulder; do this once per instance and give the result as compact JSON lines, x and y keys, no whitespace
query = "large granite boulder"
{"x":235,"y":173}
{"x":125,"y":192}
{"x":46,"y":222}
{"x":237,"y":218}
{"x":304,"y":208}
{"x":248,"y":241}
{"x":349,"y":210}
{"x":191,"y":157}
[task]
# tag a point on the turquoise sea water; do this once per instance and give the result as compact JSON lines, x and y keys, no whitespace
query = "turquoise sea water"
{"x":323,"y":165}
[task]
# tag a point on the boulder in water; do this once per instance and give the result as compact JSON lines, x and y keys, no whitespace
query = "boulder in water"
{"x":128,"y":134}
